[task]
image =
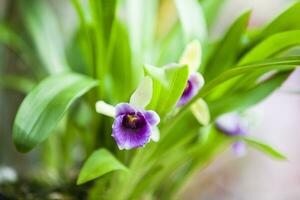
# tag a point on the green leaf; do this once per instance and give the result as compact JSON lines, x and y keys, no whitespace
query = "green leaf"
{"x":271,"y":46}
{"x":125,"y":76}
{"x":242,"y":100}
{"x":168,"y":86}
{"x":192,"y":19}
{"x":103,"y":16}
{"x":9,"y":37}
{"x":288,"y":20}
{"x":171,"y":46}
{"x":211,"y":10}
{"x":141,"y":27}
{"x":16,"y":83}
{"x":269,"y":64}
{"x":44,"y":31}
{"x":45,"y":105}
{"x":263,"y":148}
{"x":228,"y":49}
{"x":99,"y":163}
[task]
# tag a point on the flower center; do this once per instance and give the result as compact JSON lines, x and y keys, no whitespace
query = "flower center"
{"x":188,"y":88}
{"x":133,"y":121}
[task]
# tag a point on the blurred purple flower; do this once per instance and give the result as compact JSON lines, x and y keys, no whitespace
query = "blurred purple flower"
{"x":239,"y":148}
{"x":194,"y":84}
{"x":232,"y":124}
{"x":133,"y":128}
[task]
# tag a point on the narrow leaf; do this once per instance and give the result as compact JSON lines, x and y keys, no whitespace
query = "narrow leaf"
{"x":18,"y":83}
{"x":228,"y":48}
{"x":272,"y":45}
{"x":44,"y":31}
{"x":192,"y":19}
{"x":242,"y":100}
{"x":168,"y":86}
{"x":263,"y":148}
{"x":269,"y":64}
{"x":44,"y":106}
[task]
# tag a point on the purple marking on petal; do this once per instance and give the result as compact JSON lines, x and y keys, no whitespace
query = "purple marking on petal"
{"x":151,"y":117}
{"x":231,"y":124}
{"x":239,"y":148}
{"x":194,"y":84}
{"x":124,"y":108}
{"x":132,"y":128}
{"x":129,"y":135}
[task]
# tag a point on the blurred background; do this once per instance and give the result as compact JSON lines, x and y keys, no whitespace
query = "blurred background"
{"x":256,"y":176}
{"x":253,"y":176}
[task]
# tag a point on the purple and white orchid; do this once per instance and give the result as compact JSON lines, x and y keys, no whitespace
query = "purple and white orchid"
{"x":232,"y":124}
{"x":191,"y":57}
{"x":133,"y":126}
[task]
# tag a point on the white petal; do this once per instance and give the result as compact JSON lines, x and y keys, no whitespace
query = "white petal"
{"x":192,"y":56}
{"x":143,"y":94}
{"x":201,"y":111}
{"x":155,"y":135}
{"x":105,"y":109}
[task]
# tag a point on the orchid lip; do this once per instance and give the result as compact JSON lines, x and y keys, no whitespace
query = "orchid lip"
{"x":133,"y":127}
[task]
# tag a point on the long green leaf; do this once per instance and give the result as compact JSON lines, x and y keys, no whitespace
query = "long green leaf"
{"x":99,"y":163}
{"x":45,"y":34}
{"x":287,"y":20}
{"x":125,"y":76}
{"x":168,"y":86}
{"x":211,"y":10}
{"x":243,"y":99}
{"x":45,"y":105}
{"x":141,"y":25}
{"x":270,"y":64}
{"x":9,"y":37}
{"x":227,"y":50}
{"x":263,"y":147}
{"x":192,"y":19}
{"x":271,"y":46}
{"x":16,"y":83}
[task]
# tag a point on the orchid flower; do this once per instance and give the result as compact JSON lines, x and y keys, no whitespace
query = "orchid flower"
{"x":232,"y":124}
{"x":191,"y":57}
{"x":133,"y":126}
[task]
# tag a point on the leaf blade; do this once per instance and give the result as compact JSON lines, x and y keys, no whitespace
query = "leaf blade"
{"x":265,"y":148}
{"x":44,"y":106}
{"x":98,"y":164}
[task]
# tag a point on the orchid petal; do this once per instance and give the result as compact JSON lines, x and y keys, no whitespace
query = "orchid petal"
{"x":155,"y":135}
{"x":201,"y":111}
{"x":239,"y":148}
{"x":124,"y":108}
{"x":192,"y":56}
{"x":143,"y":94}
{"x":151,"y":117}
{"x":105,"y":109}
{"x":194,"y":84}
